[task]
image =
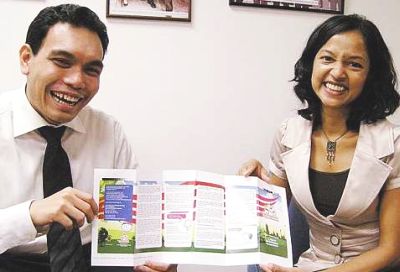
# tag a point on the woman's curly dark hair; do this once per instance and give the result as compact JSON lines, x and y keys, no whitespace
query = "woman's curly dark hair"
{"x":379,"y":97}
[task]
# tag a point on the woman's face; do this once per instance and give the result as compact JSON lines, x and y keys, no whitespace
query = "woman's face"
{"x":340,"y":70}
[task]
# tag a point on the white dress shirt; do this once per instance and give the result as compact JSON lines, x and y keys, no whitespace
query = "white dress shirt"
{"x":91,"y":140}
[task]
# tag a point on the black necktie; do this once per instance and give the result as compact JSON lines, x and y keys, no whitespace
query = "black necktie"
{"x":64,"y":246}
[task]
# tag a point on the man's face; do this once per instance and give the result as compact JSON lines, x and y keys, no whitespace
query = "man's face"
{"x":64,"y":75}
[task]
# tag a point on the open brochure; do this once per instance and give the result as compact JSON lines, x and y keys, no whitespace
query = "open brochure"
{"x":190,"y":217}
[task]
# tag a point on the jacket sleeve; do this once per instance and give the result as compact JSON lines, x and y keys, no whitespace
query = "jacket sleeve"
{"x":393,"y":180}
{"x":276,"y":166}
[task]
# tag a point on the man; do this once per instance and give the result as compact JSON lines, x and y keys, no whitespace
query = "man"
{"x":62,"y":60}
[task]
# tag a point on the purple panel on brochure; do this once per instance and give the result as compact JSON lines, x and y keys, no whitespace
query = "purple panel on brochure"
{"x":118,"y":202}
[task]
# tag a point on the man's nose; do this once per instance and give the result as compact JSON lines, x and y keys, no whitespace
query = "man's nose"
{"x":75,"y":79}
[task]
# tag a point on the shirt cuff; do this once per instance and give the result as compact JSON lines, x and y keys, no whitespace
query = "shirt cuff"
{"x":17,"y":227}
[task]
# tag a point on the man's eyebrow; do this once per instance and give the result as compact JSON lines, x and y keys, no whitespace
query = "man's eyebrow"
{"x":62,"y":53}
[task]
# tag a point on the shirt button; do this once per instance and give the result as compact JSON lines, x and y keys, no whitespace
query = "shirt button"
{"x":338,"y":259}
{"x":334,"y":240}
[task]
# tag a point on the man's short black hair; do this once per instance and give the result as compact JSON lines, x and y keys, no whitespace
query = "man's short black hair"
{"x":66,"y":13}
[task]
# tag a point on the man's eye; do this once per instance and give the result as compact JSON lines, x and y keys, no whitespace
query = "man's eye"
{"x":93,"y":71}
{"x":63,"y":63}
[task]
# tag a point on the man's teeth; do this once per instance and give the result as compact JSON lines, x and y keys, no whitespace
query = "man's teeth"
{"x":334,"y":87}
{"x":65,"y":99}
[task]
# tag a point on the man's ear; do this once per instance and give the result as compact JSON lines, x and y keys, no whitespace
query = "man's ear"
{"x":25,"y":57}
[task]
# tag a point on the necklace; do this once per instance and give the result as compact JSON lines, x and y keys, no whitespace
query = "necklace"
{"x":331,"y":147}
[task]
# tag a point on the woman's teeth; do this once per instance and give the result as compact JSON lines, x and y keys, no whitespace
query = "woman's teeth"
{"x":334,"y":87}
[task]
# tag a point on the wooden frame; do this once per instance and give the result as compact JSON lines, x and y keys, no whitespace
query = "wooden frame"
{"x":326,"y":6}
{"x":176,"y":10}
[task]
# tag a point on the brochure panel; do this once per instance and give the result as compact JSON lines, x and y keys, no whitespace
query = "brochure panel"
{"x":241,"y":215}
{"x":210,"y":213}
{"x":274,"y":231}
{"x":148,"y":216}
{"x":113,"y":233}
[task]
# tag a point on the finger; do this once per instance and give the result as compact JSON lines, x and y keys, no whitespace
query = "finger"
{"x":267,"y":267}
{"x":264,"y":174}
{"x":67,"y":203}
{"x":142,"y":268}
{"x":67,"y":206}
{"x":162,"y":267}
{"x":85,"y":207}
{"x":248,"y":168}
{"x":82,"y":201}
{"x":85,"y":211}
{"x":65,"y":220}
{"x":277,"y":268}
{"x":89,"y":199}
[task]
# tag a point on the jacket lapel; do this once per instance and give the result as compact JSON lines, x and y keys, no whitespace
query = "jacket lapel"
{"x":368,"y":172}
{"x":297,"y":160}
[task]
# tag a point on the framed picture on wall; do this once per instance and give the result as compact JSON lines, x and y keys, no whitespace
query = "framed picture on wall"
{"x":176,"y":10}
{"x":327,"y":6}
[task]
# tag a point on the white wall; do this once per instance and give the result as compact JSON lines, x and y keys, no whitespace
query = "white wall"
{"x":203,"y":95}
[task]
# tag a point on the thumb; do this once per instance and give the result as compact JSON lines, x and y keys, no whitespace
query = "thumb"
{"x":267,"y":267}
{"x":264,"y":175}
{"x":274,"y":268}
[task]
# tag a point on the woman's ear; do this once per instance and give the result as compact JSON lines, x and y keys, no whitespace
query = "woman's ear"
{"x":25,"y":57}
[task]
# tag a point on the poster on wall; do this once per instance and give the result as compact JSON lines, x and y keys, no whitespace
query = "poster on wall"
{"x":326,"y":6}
{"x":176,"y":10}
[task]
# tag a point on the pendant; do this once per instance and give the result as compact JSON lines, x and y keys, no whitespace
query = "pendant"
{"x":330,"y":152}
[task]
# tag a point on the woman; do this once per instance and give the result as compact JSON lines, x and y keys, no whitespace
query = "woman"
{"x":340,"y":158}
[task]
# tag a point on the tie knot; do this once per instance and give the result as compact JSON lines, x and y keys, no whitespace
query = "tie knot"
{"x":52,"y":134}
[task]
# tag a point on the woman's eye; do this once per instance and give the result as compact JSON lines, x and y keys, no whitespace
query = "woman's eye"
{"x":356,"y":65}
{"x":326,"y":58}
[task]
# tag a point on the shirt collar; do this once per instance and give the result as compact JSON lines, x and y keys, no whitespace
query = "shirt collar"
{"x":27,"y":119}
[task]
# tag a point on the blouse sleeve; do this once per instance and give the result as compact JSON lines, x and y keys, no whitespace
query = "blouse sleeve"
{"x":276,"y":165}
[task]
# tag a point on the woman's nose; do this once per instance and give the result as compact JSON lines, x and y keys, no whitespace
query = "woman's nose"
{"x":338,"y":71}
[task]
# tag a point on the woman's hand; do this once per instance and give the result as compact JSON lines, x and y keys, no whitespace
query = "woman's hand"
{"x":278,"y":268}
{"x":254,"y":168}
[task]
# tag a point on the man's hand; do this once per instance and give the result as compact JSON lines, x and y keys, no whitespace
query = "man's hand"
{"x":278,"y":268}
{"x":65,"y":207}
{"x":253,"y":168}
{"x":156,"y":267}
